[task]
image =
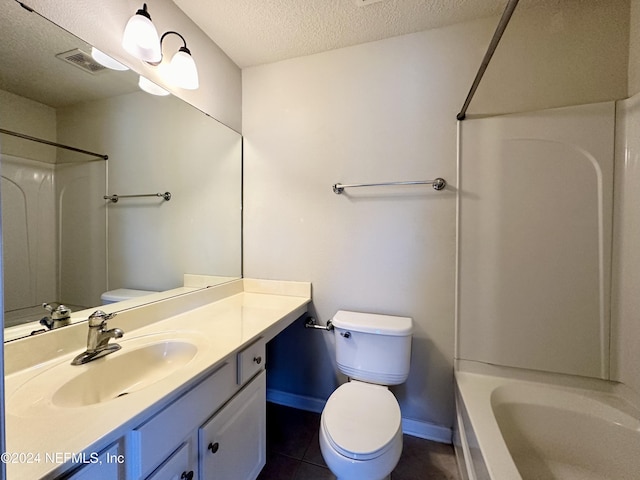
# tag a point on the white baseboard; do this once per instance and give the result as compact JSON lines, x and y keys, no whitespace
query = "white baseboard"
{"x":426,"y":430}
{"x":301,"y":402}
{"x":415,"y":428}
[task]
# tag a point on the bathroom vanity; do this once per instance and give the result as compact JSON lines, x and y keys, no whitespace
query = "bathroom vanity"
{"x":184,"y":398}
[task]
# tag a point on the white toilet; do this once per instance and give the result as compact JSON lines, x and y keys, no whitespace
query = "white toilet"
{"x":360,"y":428}
{"x":121,"y":294}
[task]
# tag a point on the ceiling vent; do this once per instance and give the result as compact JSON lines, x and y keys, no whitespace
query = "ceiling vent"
{"x":362,"y":3}
{"x":82,"y":60}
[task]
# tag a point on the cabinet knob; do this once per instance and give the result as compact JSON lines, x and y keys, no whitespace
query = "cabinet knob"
{"x":213,"y":447}
{"x":258,"y":360}
{"x":187,"y":475}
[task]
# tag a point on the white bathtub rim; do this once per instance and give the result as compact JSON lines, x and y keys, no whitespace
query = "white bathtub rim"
{"x":476,"y":382}
{"x":475,"y":396}
{"x":611,"y":390}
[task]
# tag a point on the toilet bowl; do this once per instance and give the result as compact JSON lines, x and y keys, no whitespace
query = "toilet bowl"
{"x":361,"y":425}
{"x":361,"y":432}
{"x":120,"y":294}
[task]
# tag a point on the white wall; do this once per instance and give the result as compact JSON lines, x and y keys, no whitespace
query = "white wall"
{"x":379,"y":112}
{"x":102,"y":26}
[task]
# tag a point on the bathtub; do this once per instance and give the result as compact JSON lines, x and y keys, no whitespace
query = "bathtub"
{"x":521,"y":425}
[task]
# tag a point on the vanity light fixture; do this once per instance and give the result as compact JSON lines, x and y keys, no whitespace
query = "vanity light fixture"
{"x":141,"y":40}
{"x":140,"y":37}
{"x":106,"y":61}
{"x":148,"y":86}
{"x":182,"y":69}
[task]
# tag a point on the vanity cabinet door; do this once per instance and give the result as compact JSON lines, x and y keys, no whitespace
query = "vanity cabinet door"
{"x":179,"y":466}
{"x":233,"y":443}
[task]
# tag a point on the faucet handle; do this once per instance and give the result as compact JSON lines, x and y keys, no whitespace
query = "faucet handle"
{"x":99,"y":318}
{"x":60,"y":312}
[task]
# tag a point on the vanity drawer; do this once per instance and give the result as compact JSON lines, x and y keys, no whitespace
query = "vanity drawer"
{"x":154,"y":440}
{"x":107,"y":465}
{"x":250,"y":361}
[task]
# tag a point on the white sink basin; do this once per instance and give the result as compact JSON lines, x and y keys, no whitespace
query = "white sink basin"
{"x":122,"y":374}
{"x":129,"y":370}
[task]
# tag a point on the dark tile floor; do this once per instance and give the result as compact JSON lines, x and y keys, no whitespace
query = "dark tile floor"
{"x":293,"y":451}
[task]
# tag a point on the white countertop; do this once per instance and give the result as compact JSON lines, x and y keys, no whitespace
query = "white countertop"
{"x":218,"y":329}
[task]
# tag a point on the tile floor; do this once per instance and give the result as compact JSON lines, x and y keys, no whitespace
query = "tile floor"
{"x":293,"y":451}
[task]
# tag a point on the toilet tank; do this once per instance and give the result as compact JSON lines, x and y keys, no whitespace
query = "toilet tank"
{"x":373,"y":348}
{"x":121,"y":294}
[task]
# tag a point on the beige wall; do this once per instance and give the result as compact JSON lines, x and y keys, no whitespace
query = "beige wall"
{"x":386,"y":111}
{"x":220,"y":89}
{"x":571,"y":53}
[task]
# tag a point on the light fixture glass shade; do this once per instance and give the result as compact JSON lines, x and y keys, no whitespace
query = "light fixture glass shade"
{"x":183,"y":71}
{"x":106,"y":61}
{"x":140,"y":38}
{"x":150,"y":87}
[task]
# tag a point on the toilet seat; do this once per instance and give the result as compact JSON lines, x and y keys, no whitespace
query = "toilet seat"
{"x":361,"y":420}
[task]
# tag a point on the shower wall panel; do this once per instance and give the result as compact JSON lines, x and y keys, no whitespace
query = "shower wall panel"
{"x":29,"y":232}
{"x":625,"y":310}
{"x":534,"y":239}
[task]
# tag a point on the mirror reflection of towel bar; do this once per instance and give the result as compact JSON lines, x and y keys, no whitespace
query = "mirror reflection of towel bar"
{"x":438,"y":184}
{"x":114,"y":198}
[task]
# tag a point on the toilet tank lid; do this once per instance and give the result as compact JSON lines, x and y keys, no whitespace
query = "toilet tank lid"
{"x":373,"y":323}
{"x":120,"y":294}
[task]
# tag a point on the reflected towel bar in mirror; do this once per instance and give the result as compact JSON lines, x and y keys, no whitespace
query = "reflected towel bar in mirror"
{"x":437,"y":184}
{"x":114,"y":198}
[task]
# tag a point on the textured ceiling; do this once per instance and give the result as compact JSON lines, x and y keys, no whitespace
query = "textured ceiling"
{"x":29,"y":67}
{"x":253,"y":32}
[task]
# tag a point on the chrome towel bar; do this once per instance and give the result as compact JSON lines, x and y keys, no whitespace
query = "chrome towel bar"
{"x":437,"y":184}
{"x":114,"y":198}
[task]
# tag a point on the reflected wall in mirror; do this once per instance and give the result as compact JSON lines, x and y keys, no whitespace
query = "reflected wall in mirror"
{"x":63,"y":242}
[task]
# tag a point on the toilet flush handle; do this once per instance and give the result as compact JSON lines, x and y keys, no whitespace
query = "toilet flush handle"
{"x":346,"y":334}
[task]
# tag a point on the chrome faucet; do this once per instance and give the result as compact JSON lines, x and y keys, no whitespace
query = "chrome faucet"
{"x":60,"y":316}
{"x":98,"y":338}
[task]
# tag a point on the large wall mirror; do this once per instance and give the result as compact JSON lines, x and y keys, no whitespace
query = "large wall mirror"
{"x":63,"y":242}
